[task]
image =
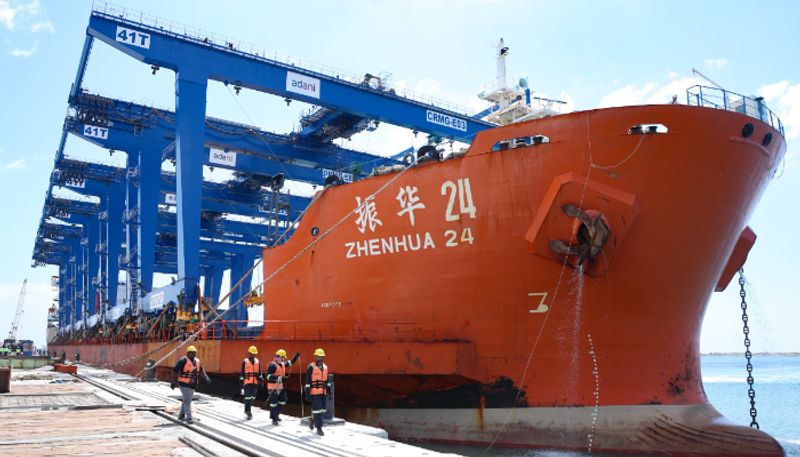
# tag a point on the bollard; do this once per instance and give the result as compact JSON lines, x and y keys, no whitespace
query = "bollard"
{"x":5,"y":379}
{"x":150,"y":370}
{"x":329,"y":411}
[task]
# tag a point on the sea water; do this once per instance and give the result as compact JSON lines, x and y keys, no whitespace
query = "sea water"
{"x":777,"y":386}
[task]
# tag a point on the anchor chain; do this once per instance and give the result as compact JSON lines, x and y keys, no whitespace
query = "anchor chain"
{"x":747,"y":354}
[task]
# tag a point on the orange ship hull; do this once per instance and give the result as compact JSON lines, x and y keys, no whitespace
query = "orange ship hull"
{"x":448,"y":317}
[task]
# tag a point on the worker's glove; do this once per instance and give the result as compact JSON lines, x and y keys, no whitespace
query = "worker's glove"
{"x":208,"y":380}
{"x":172,"y":385}
{"x":241,"y":392}
{"x":328,"y":388}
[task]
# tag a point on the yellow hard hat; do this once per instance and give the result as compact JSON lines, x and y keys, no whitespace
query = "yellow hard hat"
{"x":280,"y":352}
{"x":191,"y":349}
{"x":252,"y":350}
{"x":319,"y":352}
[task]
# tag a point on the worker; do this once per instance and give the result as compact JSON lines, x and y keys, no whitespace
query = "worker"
{"x":169,"y":321}
{"x":317,"y":387}
{"x":182,"y":317}
{"x":171,"y":330}
{"x":185,"y":375}
{"x":192,"y":320}
{"x":162,"y":323}
{"x":276,"y":374}
{"x":251,"y":379}
{"x":129,"y":330}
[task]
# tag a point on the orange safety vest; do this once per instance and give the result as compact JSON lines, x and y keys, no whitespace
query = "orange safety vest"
{"x":251,"y":371}
{"x":190,"y":370}
{"x":280,"y":370}
{"x":319,"y":380}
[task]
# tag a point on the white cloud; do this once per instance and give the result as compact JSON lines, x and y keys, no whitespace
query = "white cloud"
{"x":627,"y":95}
{"x":7,"y":14}
{"x":716,"y":62}
{"x":429,"y":87}
{"x":784,"y":99}
{"x":24,"y":53}
{"x":31,"y":8}
{"x":650,"y":93}
{"x":569,"y":102}
{"x":45,"y":26}
{"x":18,"y":164}
{"x":9,"y":11}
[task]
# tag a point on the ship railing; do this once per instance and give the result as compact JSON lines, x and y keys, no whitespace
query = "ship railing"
{"x":715,"y":97}
{"x":542,"y":104}
{"x":232,"y":330}
{"x":219,"y":330}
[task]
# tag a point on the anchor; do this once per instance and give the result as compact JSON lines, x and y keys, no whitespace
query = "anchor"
{"x":591,"y":235}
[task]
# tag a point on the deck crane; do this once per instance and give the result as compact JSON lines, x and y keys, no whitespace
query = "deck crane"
{"x":694,"y":71}
{"x":12,"y":335}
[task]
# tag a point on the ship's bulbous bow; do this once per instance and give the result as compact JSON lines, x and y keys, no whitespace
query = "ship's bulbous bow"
{"x":687,"y":430}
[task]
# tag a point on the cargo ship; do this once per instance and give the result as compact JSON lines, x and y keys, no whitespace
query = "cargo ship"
{"x":542,"y":288}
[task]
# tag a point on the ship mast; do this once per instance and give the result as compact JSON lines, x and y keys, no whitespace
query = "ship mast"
{"x":502,"y":52}
{"x":516,"y":103}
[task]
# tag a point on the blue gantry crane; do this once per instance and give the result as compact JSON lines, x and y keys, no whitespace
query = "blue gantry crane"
{"x":143,"y":220}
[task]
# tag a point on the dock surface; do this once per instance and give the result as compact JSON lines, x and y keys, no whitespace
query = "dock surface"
{"x":100,"y":412}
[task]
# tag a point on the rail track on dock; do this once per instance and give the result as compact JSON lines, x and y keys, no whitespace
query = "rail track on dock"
{"x":280,"y":442}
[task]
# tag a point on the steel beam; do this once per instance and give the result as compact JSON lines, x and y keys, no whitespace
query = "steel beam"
{"x":227,"y":64}
{"x":190,"y":115}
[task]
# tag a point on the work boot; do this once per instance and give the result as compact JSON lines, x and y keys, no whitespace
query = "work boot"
{"x":189,"y":421}
{"x":278,"y":419}
{"x":249,"y":415}
{"x":311,"y":423}
{"x":181,"y":417}
{"x":320,"y":432}
{"x":275,"y":422}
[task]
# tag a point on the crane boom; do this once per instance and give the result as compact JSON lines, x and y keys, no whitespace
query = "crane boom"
{"x":694,"y":70}
{"x":12,"y":335}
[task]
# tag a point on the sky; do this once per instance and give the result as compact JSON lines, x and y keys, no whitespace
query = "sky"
{"x":588,"y":53}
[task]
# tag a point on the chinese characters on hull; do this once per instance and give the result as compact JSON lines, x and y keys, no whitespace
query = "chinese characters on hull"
{"x":409,"y":202}
{"x":459,"y":206}
{"x":367,"y":214}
